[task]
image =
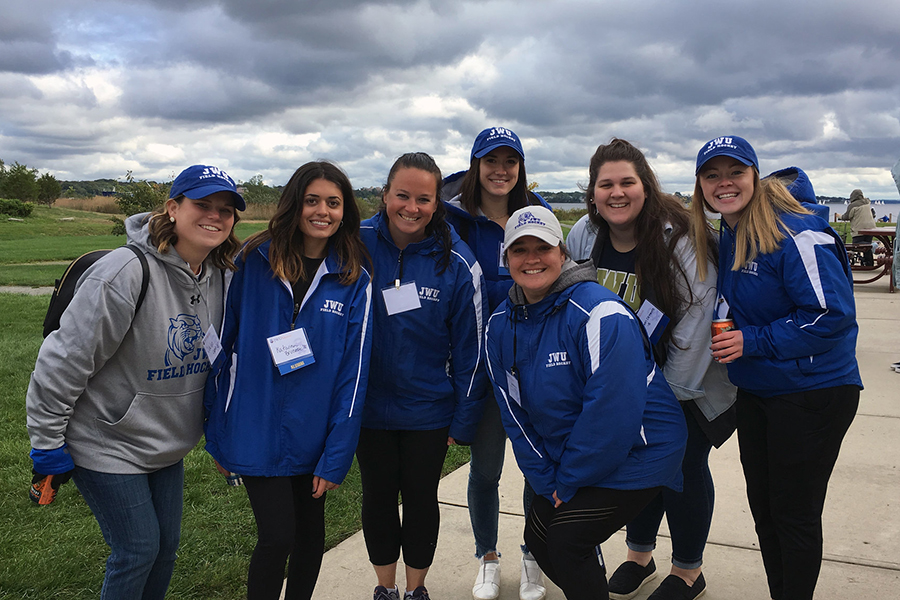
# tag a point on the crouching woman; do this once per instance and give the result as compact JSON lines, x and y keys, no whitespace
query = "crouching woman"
{"x":595,"y":427}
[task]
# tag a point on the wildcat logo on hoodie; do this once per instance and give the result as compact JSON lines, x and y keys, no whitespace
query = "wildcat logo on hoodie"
{"x":185,"y":345}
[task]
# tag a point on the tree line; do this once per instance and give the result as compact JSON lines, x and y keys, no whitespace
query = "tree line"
{"x":19,"y":182}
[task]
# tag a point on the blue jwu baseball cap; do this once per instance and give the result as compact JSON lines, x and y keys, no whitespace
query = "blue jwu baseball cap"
{"x":199,"y":181}
{"x":493,"y":138}
{"x":733,"y":146}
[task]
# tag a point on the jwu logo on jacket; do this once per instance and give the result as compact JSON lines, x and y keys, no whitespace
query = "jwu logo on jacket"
{"x":751,"y":268}
{"x":558,"y":359}
{"x":427,"y":293}
{"x":334,"y":307}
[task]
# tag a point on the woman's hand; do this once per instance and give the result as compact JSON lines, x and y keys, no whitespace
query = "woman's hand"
{"x":556,"y":501}
{"x":451,"y":441}
{"x":320,"y":486}
{"x":222,"y":469}
{"x":727,"y":347}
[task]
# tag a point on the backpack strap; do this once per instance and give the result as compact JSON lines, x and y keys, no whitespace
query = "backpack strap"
{"x":145,"y":270}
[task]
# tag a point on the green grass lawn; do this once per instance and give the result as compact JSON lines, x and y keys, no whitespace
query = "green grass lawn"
{"x":29,"y":249}
{"x":57,"y":551}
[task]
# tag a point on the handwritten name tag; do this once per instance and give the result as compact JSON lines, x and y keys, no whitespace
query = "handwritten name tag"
{"x":290,"y":351}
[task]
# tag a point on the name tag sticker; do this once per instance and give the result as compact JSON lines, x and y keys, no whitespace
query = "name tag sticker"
{"x":401,"y":299}
{"x":290,"y":351}
{"x":212,"y":344}
{"x":722,"y":309}
{"x":654,"y":320}
{"x":512,"y":387}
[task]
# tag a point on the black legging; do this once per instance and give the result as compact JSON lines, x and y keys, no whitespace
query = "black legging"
{"x":289,"y":522}
{"x":563,"y":540}
{"x":408,"y":464}
{"x":789,"y":444}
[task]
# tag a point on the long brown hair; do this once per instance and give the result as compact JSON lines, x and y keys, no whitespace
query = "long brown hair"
{"x":286,"y":249}
{"x":656,"y":264}
{"x":163,"y":236}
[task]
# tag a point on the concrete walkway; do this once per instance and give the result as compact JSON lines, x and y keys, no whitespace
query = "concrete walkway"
{"x":862,"y":514}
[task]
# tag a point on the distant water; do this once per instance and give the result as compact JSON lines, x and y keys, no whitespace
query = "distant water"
{"x":890,"y":208}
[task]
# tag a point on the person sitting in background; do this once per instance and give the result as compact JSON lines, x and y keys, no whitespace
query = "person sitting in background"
{"x":861,"y":216}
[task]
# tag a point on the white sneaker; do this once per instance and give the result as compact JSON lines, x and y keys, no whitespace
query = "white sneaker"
{"x":487,"y":586}
{"x":531,"y":586}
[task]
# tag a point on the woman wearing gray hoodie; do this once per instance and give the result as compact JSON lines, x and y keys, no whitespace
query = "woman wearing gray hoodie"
{"x":116,"y":396}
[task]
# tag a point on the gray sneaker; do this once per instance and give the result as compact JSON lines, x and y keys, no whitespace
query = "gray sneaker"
{"x":382,"y":593}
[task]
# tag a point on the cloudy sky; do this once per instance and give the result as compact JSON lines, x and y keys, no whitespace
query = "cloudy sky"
{"x":94,"y":88}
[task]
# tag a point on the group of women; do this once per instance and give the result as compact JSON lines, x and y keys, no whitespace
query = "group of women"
{"x":461,"y":321}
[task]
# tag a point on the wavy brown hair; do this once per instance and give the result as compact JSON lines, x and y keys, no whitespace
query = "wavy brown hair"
{"x":760,"y":228}
{"x":163,"y":236}
{"x":656,"y":264}
{"x":286,"y":249}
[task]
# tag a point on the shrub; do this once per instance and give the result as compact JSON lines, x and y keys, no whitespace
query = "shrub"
{"x":15,"y":208}
{"x":118,"y":226}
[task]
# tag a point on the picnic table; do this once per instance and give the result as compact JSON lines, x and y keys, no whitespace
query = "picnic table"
{"x":882,"y":265}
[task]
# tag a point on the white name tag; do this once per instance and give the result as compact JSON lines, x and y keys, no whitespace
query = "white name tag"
{"x":401,"y":299}
{"x":290,"y":351}
{"x":654,"y":320}
{"x":212,"y":344}
{"x":722,"y":309}
{"x":512,"y":388}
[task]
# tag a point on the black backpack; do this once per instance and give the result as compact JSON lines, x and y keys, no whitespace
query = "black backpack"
{"x":64,"y":289}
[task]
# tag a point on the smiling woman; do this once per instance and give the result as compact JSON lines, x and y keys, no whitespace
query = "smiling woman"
{"x":426,"y":383}
{"x":107,"y":418}
{"x":785,"y":281}
{"x":595,"y":428}
{"x":283,"y":402}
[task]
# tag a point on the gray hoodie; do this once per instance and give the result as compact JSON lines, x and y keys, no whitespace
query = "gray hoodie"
{"x":125,"y":390}
{"x":859,"y":213}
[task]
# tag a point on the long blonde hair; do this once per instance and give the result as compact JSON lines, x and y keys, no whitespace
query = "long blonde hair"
{"x":760,"y":229}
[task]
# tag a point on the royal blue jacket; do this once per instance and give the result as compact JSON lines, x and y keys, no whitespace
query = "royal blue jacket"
{"x":261,"y":423}
{"x":593,"y":409}
{"x":795,"y":309}
{"x":427,"y":369}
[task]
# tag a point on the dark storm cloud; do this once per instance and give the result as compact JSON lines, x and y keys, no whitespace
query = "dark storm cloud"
{"x":361,"y":82}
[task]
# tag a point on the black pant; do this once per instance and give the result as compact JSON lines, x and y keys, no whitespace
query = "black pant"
{"x":868,"y":258}
{"x":289,"y":522}
{"x":563,"y":539}
{"x":789,"y":445}
{"x":408,"y":464}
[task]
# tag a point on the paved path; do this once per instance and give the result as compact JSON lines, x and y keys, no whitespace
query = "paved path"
{"x":30,"y":291}
{"x":862,"y":514}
